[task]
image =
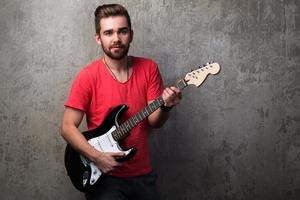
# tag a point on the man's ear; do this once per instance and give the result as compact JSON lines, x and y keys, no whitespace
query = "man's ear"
{"x":131,"y":35}
{"x":98,"y":39}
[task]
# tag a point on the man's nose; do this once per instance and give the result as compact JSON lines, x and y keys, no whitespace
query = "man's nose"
{"x":116,"y":37}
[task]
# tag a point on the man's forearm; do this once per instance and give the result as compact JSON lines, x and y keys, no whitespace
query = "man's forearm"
{"x":158,"y":118}
{"x":75,"y":138}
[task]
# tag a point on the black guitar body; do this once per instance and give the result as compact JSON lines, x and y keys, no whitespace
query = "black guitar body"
{"x":79,"y":169}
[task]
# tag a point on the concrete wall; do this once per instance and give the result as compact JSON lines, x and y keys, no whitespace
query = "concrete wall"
{"x":236,"y":137}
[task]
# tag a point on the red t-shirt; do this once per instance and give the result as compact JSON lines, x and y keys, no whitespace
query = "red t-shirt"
{"x":96,"y":92}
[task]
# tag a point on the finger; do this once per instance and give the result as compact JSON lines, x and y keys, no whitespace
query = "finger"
{"x":117,"y":154}
{"x":168,"y":91}
{"x":175,"y":89}
{"x":166,"y":94}
{"x":177,"y":92}
{"x":112,"y":165}
{"x":115,"y":164}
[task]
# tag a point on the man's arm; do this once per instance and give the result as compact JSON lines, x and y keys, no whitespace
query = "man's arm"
{"x":171,"y":97}
{"x":69,"y":130}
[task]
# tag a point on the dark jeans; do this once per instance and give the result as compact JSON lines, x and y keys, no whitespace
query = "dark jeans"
{"x":136,"y":188}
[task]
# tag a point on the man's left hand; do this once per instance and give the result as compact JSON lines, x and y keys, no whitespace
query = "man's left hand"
{"x":171,"y":96}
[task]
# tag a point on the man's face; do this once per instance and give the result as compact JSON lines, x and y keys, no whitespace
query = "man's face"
{"x":115,"y":37}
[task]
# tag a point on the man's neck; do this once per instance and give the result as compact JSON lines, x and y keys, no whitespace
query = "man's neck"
{"x":117,"y":65}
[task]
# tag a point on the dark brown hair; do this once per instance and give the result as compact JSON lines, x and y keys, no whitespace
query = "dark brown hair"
{"x":109,"y":10}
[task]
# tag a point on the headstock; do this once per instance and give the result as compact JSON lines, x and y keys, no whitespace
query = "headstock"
{"x":197,"y":76}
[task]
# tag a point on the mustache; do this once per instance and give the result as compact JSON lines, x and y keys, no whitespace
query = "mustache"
{"x":118,"y":45}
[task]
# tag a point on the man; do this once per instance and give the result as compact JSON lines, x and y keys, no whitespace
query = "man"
{"x":116,"y":79}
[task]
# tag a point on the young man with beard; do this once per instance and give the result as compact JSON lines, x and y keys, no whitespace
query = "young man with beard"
{"x":114,"y":79}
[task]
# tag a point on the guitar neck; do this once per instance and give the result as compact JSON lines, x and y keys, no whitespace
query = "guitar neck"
{"x":124,"y":129}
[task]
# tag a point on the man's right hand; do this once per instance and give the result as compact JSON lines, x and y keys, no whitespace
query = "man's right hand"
{"x":106,"y":162}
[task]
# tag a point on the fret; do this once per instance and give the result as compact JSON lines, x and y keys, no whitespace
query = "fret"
{"x":124,"y":132}
{"x":181,"y":84}
{"x":127,"y":126}
{"x":133,"y":122}
{"x":130,"y":123}
{"x":115,"y":135}
{"x":133,"y":119}
{"x":149,"y":108}
{"x":152,"y":107}
{"x":139,"y":117}
{"x":118,"y":134}
{"x":136,"y":119}
{"x":122,"y":129}
{"x":145,"y":112}
{"x":156,"y":103}
{"x":161,"y":101}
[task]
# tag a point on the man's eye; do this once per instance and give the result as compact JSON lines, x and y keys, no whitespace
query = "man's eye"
{"x":108,"y":33}
{"x":124,"y":31}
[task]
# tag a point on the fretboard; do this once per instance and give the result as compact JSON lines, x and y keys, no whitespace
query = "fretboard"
{"x":124,"y":129}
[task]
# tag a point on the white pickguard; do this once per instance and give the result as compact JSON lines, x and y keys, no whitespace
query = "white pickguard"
{"x":103,"y":143}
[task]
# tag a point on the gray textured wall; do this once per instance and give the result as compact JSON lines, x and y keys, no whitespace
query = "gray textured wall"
{"x":236,"y":137}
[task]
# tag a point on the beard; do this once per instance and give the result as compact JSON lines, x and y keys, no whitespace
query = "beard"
{"x":116,"y":55}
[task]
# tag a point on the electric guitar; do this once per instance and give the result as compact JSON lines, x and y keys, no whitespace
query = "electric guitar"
{"x":83,"y":173}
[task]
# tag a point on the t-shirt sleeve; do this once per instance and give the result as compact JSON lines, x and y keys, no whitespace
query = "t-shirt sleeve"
{"x":156,"y":86}
{"x":80,"y":93}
